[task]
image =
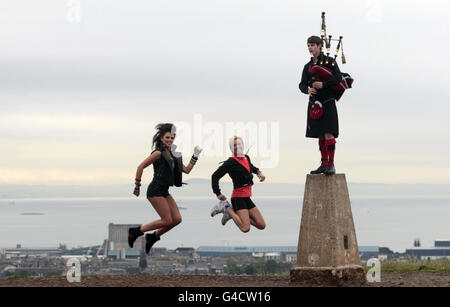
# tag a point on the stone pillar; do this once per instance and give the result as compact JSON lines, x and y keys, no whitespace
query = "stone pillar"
{"x":327,"y":249}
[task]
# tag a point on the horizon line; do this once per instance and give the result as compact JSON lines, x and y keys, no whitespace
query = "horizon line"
{"x":226,"y":180}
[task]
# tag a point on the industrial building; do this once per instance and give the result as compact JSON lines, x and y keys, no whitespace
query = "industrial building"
{"x":441,"y":249}
{"x":286,"y":253}
{"x":117,"y":244}
{"x":248,"y":250}
{"x":367,"y":252}
{"x":442,"y":243}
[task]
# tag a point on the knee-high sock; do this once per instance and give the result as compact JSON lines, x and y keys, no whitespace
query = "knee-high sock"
{"x":330,"y":145}
{"x":323,"y":152}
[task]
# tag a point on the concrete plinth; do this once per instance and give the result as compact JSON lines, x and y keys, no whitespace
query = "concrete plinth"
{"x":352,"y":275}
{"x":327,"y":248}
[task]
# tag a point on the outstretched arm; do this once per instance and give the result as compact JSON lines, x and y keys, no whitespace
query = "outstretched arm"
{"x":187,"y":169}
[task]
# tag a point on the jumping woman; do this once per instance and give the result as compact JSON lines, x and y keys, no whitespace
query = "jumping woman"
{"x":168,"y":168}
{"x":239,"y":167}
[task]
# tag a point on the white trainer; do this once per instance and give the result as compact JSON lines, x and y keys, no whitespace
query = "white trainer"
{"x":219,"y":208}
{"x":226,"y":217}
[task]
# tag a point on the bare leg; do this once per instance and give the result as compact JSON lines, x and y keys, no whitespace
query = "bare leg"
{"x":162,"y":208}
{"x":252,"y":221}
{"x":328,"y":136}
{"x":241,"y":219}
{"x":256,"y":218}
{"x":174,"y":213}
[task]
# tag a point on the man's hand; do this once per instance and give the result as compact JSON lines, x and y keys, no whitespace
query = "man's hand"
{"x":312,"y":91}
{"x":221,"y":197}
{"x":317,"y":85}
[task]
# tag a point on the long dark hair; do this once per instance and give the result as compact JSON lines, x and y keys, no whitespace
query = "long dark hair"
{"x":162,"y":129}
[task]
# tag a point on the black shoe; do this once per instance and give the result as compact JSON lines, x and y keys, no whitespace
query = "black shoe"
{"x":330,"y":170}
{"x":150,"y":239}
{"x":133,"y":234}
{"x":320,"y":170}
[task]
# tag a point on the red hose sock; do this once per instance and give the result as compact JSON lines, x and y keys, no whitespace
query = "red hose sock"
{"x":323,"y":152}
{"x":330,"y":145}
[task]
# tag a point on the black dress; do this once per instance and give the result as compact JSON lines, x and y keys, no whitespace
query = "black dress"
{"x":167,"y":172}
{"x":328,"y":123}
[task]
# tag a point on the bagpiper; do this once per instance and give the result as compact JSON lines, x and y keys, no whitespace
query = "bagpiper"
{"x":324,"y":83}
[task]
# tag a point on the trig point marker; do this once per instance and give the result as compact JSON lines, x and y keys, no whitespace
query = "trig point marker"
{"x":327,"y":248}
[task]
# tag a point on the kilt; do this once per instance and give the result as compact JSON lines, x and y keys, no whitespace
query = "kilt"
{"x":328,"y":123}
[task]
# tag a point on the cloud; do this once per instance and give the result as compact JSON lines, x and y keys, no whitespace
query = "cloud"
{"x":96,"y":89}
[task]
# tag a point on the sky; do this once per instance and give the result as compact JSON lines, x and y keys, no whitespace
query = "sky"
{"x":83,"y":84}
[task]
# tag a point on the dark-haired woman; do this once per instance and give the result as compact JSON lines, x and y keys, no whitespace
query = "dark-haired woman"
{"x":168,"y":168}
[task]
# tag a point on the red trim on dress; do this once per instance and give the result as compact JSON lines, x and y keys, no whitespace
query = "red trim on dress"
{"x":247,"y":190}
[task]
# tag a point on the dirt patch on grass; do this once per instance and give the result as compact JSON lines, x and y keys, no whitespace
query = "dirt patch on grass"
{"x":417,"y":279}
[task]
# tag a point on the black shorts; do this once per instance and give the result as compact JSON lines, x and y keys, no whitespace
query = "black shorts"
{"x":240,"y":203}
{"x":157,"y":190}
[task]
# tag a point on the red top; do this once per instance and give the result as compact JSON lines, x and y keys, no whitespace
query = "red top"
{"x":247,"y":190}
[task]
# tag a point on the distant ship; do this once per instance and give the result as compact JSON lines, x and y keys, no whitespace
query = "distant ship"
{"x":32,"y":213}
{"x":182,"y":208}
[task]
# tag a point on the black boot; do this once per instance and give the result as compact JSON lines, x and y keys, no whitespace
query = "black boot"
{"x":320,"y":170}
{"x":133,"y":234}
{"x":330,"y":170}
{"x":150,"y":239}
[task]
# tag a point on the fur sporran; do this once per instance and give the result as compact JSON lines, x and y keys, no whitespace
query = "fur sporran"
{"x":316,"y":110}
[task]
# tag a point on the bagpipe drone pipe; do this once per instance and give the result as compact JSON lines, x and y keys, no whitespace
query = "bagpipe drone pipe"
{"x":322,"y":73}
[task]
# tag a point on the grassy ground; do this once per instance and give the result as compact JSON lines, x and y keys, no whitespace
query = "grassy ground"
{"x":387,"y":267}
{"x":438,"y":266}
{"x":411,"y":279}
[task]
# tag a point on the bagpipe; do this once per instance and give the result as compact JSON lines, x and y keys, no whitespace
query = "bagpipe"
{"x":323,"y":71}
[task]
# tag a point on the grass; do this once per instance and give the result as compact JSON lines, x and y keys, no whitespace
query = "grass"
{"x":436,"y":266}
{"x":286,"y":274}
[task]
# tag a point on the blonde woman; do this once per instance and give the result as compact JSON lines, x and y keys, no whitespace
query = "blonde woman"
{"x":242,"y":209}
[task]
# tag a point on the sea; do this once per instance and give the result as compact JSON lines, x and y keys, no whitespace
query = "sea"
{"x":80,"y":222}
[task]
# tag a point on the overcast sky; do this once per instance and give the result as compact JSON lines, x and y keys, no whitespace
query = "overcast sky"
{"x":80,"y":98}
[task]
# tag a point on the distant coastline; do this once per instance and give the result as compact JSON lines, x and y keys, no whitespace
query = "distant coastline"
{"x":201,"y":188}
{"x":32,"y":213}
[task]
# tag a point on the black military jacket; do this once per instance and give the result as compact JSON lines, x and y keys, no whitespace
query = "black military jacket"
{"x":238,"y":173}
{"x":326,"y":92}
